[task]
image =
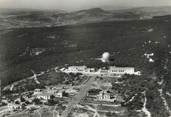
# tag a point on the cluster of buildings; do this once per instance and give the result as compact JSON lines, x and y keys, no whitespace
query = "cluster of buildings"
{"x":105,"y":95}
{"x":46,"y":94}
{"x":53,"y":91}
{"x":26,"y":100}
{"x":112,"y":71}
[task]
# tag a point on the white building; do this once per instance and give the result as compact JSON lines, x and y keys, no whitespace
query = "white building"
{"x":37,"y":91}
{"x":111,"y":72}
{"x":71,"y":91}
{"x":59,"y":94}
{"x":13,"y":106}
{"x":44,"y":96}
{"x":78,"y":69}
{"x":119,"y":71}
{"x":104,"y":96}
{"x":109,"y":97}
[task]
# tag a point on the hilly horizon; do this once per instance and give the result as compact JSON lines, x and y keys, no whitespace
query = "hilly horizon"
{"x":18,"y":18}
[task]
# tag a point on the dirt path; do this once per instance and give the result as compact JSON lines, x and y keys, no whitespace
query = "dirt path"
{"x":75,"y":100}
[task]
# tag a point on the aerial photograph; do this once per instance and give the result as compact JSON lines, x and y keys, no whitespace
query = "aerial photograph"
{"x":85,"y":58}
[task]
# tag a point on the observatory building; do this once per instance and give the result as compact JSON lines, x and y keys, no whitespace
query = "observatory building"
{"x":117,"y":71}
{"x":113,"y":71}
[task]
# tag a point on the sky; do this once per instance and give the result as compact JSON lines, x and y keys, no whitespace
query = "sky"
{"x":71,"y":5}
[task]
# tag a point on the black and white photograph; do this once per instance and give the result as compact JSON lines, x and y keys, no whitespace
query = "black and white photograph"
{"x":85,"y":58}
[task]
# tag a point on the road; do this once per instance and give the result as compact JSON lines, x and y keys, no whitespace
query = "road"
{"x":76,"y":99}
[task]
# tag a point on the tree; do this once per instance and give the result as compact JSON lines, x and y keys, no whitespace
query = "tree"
{"x":17,"y":102}
{"x":52,"y":97}
{"x":37,"y":101}
{"x":65,"y":94}
{"x":22,"y":99}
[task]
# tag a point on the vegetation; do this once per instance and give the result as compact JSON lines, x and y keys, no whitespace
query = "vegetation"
{"x":127,"y":42}
{"x":90,"y":43}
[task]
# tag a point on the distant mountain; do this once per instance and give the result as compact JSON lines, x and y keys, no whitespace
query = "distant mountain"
{"x":93,"y":11}
{"x":38,"y":18}
{"x":149,"y":12}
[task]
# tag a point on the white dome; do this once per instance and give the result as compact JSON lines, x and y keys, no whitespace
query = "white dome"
{"x":105,"y":57}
